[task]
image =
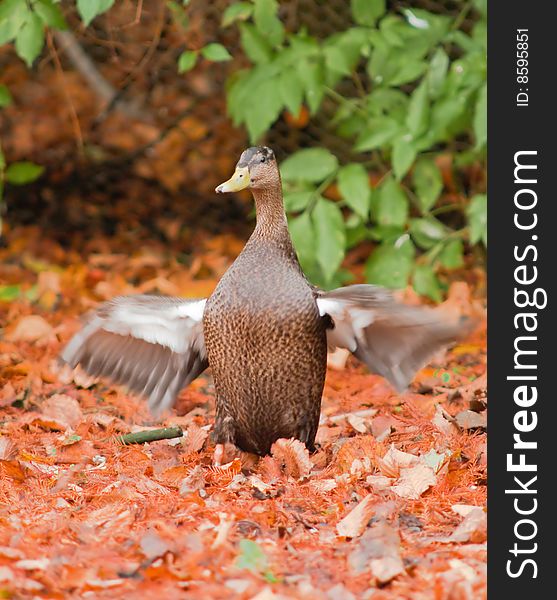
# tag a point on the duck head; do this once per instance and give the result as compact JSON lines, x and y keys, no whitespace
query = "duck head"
{"x":256,"y":169}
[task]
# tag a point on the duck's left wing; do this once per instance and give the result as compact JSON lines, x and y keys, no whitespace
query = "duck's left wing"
{"x":152,"y":344}
{"x":392,"y":339}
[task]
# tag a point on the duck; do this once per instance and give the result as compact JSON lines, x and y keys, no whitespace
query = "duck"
{"x":264,"y":332}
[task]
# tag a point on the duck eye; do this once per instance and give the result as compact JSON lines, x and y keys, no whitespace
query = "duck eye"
{"x":263,"y":159}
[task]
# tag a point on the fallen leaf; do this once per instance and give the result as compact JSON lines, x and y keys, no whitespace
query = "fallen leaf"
{"x":194,"y":439}
{"x":226,"y":523}
{"x":355,"y":522}
{"x":8,"y":395}
{"x":194,"y":482}
{"x":153,"y":546}
{"x":473,"y":527}
{"x":8,"y":449}
{"x":292,"y":456}
{"x":444,"y":425}
{"x":468,"y":419}
{"x":378,"y":551}
{"x":32,"y":329}
{"x":414,"y":481}
{"x":395,"y":460}
{"x":379,"y":482}
{"x":63,"y":409}
{"x":33,"y":564}
{"x":386,"y":568}
{"x":104,"y":583}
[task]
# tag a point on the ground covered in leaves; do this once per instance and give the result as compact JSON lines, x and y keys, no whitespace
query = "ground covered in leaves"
{"x":392,"y":505}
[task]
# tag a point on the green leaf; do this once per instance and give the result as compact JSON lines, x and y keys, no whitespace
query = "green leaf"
{"x":303,"y":238}
{"x":437,"y":73}
{"x":353,"y":184}
{"x":9,"y":293}
{"x":392,"y":204}
{"x":447,"y":113}
{"x":30,"y":39}
{"x":481,"y":6}
{"x":254,"y":44}
{"x":390,"y":265}
{"x":267,"y":22}
{"x":50,"y":14}
{"x":187,"y":61}
{"x":428,"y":183}
{"x":179,"y":15}
{"x":291,"y":91}
{"x":366,"y":12}
{"x":312,"y":74}
{"x":263,"y":113}
{"x":378,"y":134}
{"x":216,"y":52}
{"x":451,"y":257}
{"x":297,"y":201}
{"x":408,"y":71}
{"x":20,"y":173}
{"x":251,"y":557}
{"x":477,"y":218}
{"x":355,"y":233}
{"x":342,"y":53}
{"x":404,"y":154}
{"x":427,"y":232}
{"x":5,"y":96}
{"x":13,"y":15}
{"x":8,"y":7}
{"x":480,"y":118}
{"x":239,"y":11}
{"x":89,"y":9}
{"x":310,"y":164}
{"x":418,"y":110}
{"x":426,"y":283}
{"x":330,"y":236}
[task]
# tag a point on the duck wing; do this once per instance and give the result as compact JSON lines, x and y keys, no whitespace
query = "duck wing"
{"x":152,"y":344}
{"x":392,"y":339}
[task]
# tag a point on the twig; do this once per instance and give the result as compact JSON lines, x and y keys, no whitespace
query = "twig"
{"x":73,"y":113}
{"x":154,"y":44}
{"x":86,"y":67}
{"x":150,"y":435}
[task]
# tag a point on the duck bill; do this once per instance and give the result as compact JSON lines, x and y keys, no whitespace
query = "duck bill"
{"x":238,"y":181}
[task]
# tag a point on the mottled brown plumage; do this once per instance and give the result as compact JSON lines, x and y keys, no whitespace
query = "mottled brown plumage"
{"x":264,"y":332}
{"x":266,"y":341}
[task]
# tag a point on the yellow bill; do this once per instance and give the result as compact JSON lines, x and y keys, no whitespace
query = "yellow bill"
{"x":238,"y":181}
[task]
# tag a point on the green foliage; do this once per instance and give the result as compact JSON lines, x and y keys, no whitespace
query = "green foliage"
{"x":23,"y":23}
{"x":187,"y":60}
{"x":215,"y":52}
{"x":254,"y":559}
{"x":20,"y":173}
{"x":16,"y":173}
{"x":5,"y":96}
{"x":425,"y":96}
{"x":89,"y":9}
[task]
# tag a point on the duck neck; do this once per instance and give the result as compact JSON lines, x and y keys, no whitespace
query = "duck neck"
{"x":269,"y":208}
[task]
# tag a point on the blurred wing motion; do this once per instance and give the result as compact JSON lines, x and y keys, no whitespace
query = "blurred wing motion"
{"x":152,"y":344}
{"x":392,"y":339}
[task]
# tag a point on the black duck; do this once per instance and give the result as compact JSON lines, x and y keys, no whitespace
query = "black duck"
{"x":264,"y":332}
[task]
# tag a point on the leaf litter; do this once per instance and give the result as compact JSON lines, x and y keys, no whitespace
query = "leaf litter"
{"x":391,"y":505}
